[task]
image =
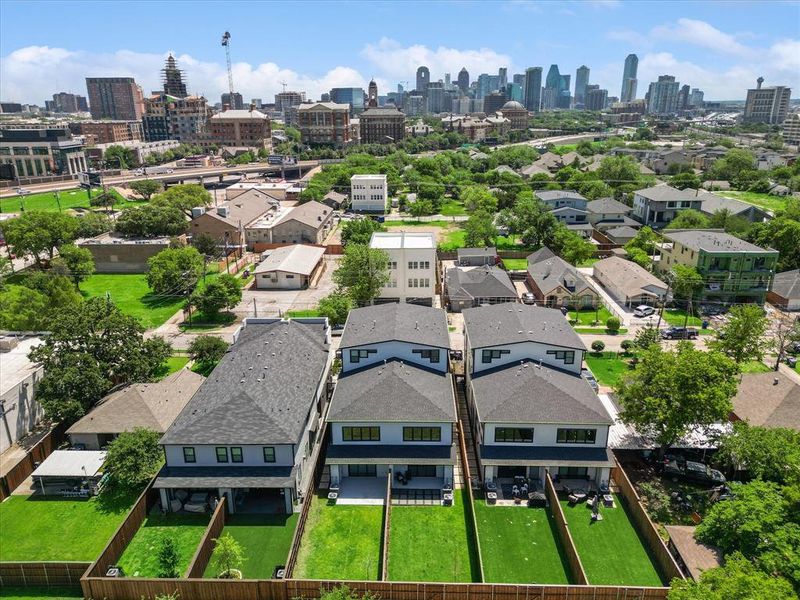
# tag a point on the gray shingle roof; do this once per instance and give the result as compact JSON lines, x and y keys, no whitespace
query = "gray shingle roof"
{"x":712,"y":203}
{"x":546,"y":195}
{"x":480,"y":282}
{"x":262,"y":390}
{"x":621,"y":232}
{"x":607,"y":206}
{"x":513,"y":322}
{"x":628,"y":276}
{"x":552,"y":272}
{"x":311,"y":213}
{"x":787,"y":284}
{"x":556,"y":454}
{"x":711,"y":241}
{"x":396,"y":321}
{"x":664,"y":193}
{"x":297,"y":258}
{"x":226,"y":476}
{"x":393,"y":392}
{"x":528,"y":393}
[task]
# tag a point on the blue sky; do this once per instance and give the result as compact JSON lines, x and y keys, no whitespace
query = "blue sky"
{"x":720,"y":47}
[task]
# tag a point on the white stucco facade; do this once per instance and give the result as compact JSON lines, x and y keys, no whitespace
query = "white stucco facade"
{"x":412,"y":266}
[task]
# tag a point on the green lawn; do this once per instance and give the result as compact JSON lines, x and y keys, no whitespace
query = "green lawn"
{"x":611,"y":551}
{"x":766,"y":201}
{"x":420,"y":533}
{"x":415,"y":223}
{"x":600,"y":331}
{"x":140,"y":558}
{"x":520,"y":545}
{"x":40,"y":593}
{"x":608,"y":368}
{"x":265,"y":540}
{"x":516,"y":264}
{"x":588,"y":316}
{"x":60,"y":529}
{"x":754,"y":366}
{"x":133,"y":297}
{"x":172,"y":365}
{"x":74,"y":198}
{"x":303,"y":313}
{"x":677,"y":316}
{"x":588,"y":262}
{"x":340,"y":542}
{"x":452,"y":208}
{"x":457,"y":238}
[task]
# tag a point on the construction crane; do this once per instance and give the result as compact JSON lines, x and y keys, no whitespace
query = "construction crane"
{"x":226,"y":41}
{"x":284,"y":84}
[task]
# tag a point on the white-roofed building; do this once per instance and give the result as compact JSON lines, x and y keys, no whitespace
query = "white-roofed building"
{"x":412,"y":266}
{"x":289,"y":268}
{"x":70,"y":472}
{"x":19,"y":410}
{"x":368,"y":193}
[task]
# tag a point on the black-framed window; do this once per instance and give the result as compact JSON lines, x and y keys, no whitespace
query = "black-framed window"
{"x":488,"y":356}
{"x":269,"y":454}
{"x":422,"y":470}
{"x":222,"y":454}
{"x":357,"y":355}
{"x":362,"y":470}
{"x":576,"y":436}
{"x":573,"y":472}
{"x":422,"y":434}
{"x":236,"y":454}
{"x":568,"y":356}
{"x":361,"y":434}
{"x":515,"y":435}
{"x":431,"y":355}
{"x":189,"y":455}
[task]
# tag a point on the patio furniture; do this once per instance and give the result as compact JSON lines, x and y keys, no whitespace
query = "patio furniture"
{"x":182,"y":495}
{"x":491,"y":486}
{"x":175,"y":505}
{"x":197,"y":503}
{"x":491,"y":497}
{"x":447,"y":499}
{"x":608,"y":500}
{"x":333,"y":497}
{"x":537,"y":500}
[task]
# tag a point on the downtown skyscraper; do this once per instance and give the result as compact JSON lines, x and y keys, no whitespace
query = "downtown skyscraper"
{"x":581,"y":81}
{"x":628,"y":93}
{"x":533,"y":88}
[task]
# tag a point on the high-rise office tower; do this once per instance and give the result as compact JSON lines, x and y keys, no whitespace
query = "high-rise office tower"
{"x":235,"y":102}
{"x":172,"y":78}
{"x":683,"y":97}
{"x":463,"y":80}
{"x":663,"y":96}
{"x":502,"y":73}
{"x":595,"y":98}
{"x":435,"y":97}
{"x":696,"y":98}
{"x":423,"y":78}
{"x":553,"y":80}
{"x":558,"y":86}
{"x":766,"y":104}
{"x":352,"y":96}
{"x":628,"y":93}
{"x":117,"y":98}
{"x":533,"y":88}
{"x":581,"y":81}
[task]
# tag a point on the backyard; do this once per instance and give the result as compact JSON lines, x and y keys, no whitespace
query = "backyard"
{"x":418,"y":533}
{"x":457,"y":238}
{"x":75,"y":198}
{"x":172,"y":365}
{"x":452,"y":208}
{"x":766,"y":201}
{"x":677,"y":318}
{"x":520,"y":545}
{"x":39,"y":593}
{"x":610,"y":550}
{"x":37,"y":528}
{"x":515,"y":264}
{"x":608,"y":367}
{"x":340,"y":542}
{"x":140,"y":558}
{"x":132,"y":296}
{"x":265,"y":540}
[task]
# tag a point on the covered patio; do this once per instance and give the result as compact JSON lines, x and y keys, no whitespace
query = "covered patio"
{"x":70,"y":473}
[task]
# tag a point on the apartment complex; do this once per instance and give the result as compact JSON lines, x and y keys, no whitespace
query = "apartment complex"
{"x":108,"y":132}
{"x":117,"y":98}
{"x":240,"y":128}
{"x":368,"y":193}
{"x":170,"y":117}
{"x":64,"y":102}
{"x":766,"y":104}
{"x":326,"y":123}
{"x":733,"y":270}
{"x":382,"y":125}
{"x":42,"y":151}
{"x":412,"y":266}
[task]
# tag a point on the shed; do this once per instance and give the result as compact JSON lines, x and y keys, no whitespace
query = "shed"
{"x":476,"y":257}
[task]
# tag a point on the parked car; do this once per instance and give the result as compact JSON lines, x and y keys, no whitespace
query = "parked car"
{"x":22,"y":191}
{"x":694,"y":471}
{"x":643,"y":311}
{"x":794,"y":348}
{"x":528,"y":298}
{"x":679,"y":333}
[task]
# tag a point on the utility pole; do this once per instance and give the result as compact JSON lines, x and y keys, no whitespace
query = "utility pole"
{"x":255,"y":308}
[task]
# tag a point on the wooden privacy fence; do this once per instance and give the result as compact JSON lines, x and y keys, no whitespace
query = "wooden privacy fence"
{"x":288,"y":589}
{"x":23,"y":469}
{"x":124,"y":533}
{"x":564,"y":535}
{"x":667,"y":565}
{"x":387,"y":522}
{"x":202,"y":555}
{"x":329,"y":248}
{"x":26,"y":574}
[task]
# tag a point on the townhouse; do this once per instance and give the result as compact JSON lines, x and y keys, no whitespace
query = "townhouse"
{"x":658,"y":205}
{"x":412,"y":266}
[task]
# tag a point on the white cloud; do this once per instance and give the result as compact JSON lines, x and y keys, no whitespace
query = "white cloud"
{"x":34,"y":73}
{"x":633,"y":38}
{"x":397,"y":62}
{"x":705,"y":35}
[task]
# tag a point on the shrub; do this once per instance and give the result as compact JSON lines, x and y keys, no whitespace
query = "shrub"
{"x":598,"y":346}
{"x":168,"y":559}
{"x":626,"y":346}
{"x":613,"y":324}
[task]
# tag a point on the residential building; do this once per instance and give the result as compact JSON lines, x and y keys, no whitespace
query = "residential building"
{"x":627,"y":113}
{"x":712,"y":203}
{"x":476,"y":257}
{"x":10,"y":107}
{"x":559,"y":198}
{"x":596,"y":99}
{"x":570,"y":216}
{"x":20,"y":412}
{"x":140,"y":149}
{"x":766,"y":104}
{"x":407,"y":431}
{"x":232,"y":102}
{"x":64,"y":102}
{"x":628,"y":93}
{"x":153,"y":406}
{"x":108,"y":132}
{"x":289,"y":268}
{"x":415,"y":105}
{"x":354,"y":97}
{"x":683,"y":97}
{"x":694,"y":557}
{"x":516,"y":114}
{"x":767,"y":400}
{"x":531,"y":411}
{"x":620,"y":234}
{"x":663,"y":96}
{"x":423,"y":79}
{"x":732,"y":270}
{"x":785,"y":290}
{"x":555,"y":282}
{"x":607,"y":211}
{"x":533,"y":88}
{"x":369,"y":193}
{"x":41,"y":151}
{"x":325,"y":123}
{"x":115,"y":253}
{"x":463,"y":80}
{"x":117,"y":98}
{"x":252,"y":432}
{"x":382,"y":125}
{"x":468,"y":287}
{"x":172,"y":79}
{"x":307,"y":223}
{"x":288,"y":99}
{"x":241,"y":128}
{"x":412,"y":266}
{"x":628,"y":283}
{"x":661,"y":161}
{"x":172,"y":118}
{"x":228,"y":222}
{"x":791,"y":129}
{"x":656,"y":206}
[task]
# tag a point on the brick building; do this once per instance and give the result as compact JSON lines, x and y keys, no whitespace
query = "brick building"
{"x":115,"y":98}
{"x":240,"y":128}
{"x":324,"y":123}
{"x":108,"y":132}
{"x":382,"y":125}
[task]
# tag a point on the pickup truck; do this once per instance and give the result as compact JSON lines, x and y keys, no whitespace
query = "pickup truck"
{"x":679,"y":333}
{"x":693,"y":471}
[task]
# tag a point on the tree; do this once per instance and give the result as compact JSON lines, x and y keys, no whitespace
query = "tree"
{"x":207,"y":350}
{"x":104,"y":199}
{"x":206,"y":245}
{"x":685,"y":180}
{"x":570,"y":246}
{"x":75,"y":262}
{"x":781,"y":233}
{"x":168,"y":559}
{"x":359,"y":231}
{"x":420,"y":208}
{"x":645,"y":240}
{"x":37,"y":232}
{"x":133,"y":458}
{"x":529,"y":219}
{"x":480,"y":229}
{"x":92,"y":224}
{"x":640,"y":257}
{"x":224,"y":292}
{"x":146,"y":188}
{"x":784,"y":335}
{"x":6,"y":269}
{"x":22,"y":309}
{"x":621,"y":173}
{"x":336,"y":306}
{"x":646,"y":337}
{"x":598,"y":346}
{"x":363,"y":271}
{"x":59,"y":291}
{"x":228,"y":556}
{"x":672,"y":391}
{"x":174,"y":271}
{"x":72,"y":384}
{"x":737,"y":579}
{"x":184,"y":197}
{"x":723,"y":218}
{"x":742,"y":337}
{"x":768,"y":453}
{"x":477,"y":198}
{"x":627,"y":346}
{"x":689,"y":219}
{"x":686,"y":282}
{"x":120,"y":157}
{"x":151,"y":220}
{"x":613,"y":324}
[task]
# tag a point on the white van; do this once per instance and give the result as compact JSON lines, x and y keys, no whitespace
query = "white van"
{"x":643,"y":311}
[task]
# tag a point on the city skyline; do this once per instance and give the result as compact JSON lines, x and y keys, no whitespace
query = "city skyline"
{"x":719,"y":51}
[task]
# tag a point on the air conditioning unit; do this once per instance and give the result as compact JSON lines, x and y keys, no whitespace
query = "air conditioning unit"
{"x":115,"y":571}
